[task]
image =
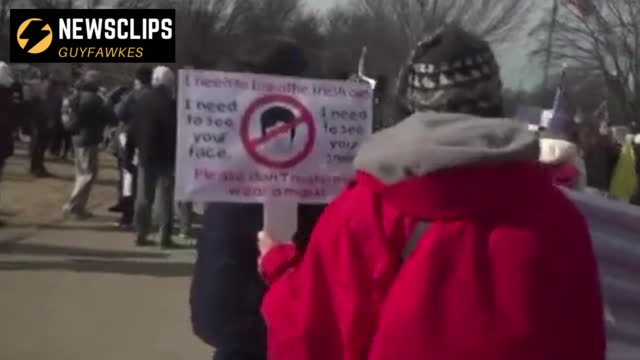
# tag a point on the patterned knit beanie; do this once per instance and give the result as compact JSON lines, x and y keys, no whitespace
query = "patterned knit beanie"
{"x":451,"y":71}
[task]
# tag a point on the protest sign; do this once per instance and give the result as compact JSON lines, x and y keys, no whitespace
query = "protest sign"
{"x":252,"y":138}
{"x":615,"y":232}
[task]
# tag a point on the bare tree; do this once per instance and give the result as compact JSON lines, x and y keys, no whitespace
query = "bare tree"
{"x":5,"y":5}
{"x":495,"y":20}
{"x":140,"y":4}
{"x":269,"y":18}
{"x":53,"y":4}
{"x":391,"y":28}
{"x":606,"y":44}
{"x":204,"y":29}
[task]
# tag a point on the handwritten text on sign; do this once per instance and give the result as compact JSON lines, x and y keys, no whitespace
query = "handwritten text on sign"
{"x":249,"y":138}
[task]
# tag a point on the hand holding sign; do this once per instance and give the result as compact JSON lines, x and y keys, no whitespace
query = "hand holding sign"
{"x":280,"y":218}
{"x":274,"y":140}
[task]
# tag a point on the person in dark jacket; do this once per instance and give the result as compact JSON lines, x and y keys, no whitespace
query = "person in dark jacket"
{"x":124,"y":109}
{"x":8,"y":121}
{"x":114,"y":99}
{"x":36,"y":114}
{"x":226,"y":289}
{"x":154,"y":135}
{"x":600,"y":155}
{"x":17,"y":95}
{"x":85,"y":115}
{"x":60,"y":144}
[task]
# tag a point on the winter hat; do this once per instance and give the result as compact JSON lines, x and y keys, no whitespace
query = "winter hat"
{"x":163,"y":76}
{"x":6,"y":78}
{"x":451,"y":71}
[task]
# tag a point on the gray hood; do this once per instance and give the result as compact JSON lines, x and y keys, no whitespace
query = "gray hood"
{"x":427,"y":142}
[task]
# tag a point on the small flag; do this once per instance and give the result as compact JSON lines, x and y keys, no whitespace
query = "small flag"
{"x":581,"y":8}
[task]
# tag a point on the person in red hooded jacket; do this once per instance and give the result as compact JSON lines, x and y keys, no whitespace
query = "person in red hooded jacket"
{"x":451,"y":243}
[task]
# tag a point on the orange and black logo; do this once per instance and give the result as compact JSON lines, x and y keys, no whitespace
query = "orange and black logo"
{"x":93,"y":35}
{"x":34,"y":36}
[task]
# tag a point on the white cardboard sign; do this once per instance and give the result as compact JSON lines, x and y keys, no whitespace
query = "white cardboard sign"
{"x":250,"y":138}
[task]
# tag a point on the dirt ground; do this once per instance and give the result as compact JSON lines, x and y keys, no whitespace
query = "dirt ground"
{"x":82,"y":291}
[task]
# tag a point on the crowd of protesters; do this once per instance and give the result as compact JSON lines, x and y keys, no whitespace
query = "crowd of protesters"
{"x":452,"y":241}
{"x":72,"y":119}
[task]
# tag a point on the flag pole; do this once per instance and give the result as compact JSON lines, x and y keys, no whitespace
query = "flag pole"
{"x":552,"y":28}
{"x":361,"y":62}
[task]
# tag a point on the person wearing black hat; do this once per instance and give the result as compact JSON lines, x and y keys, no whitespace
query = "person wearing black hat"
{"x":451,"y":242}
{"x":226,"y":288}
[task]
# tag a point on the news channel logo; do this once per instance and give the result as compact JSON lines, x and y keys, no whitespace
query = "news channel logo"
{"x":92,"y":35}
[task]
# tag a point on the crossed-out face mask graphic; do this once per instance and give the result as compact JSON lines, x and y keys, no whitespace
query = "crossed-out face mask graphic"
{"x":34,"y":36}
{"x":273,"y":118}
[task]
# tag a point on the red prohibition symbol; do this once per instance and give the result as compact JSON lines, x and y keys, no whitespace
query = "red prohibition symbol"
{"x":251,"y":144}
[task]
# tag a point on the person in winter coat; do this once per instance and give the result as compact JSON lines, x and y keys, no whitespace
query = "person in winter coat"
{"x":36,"y":112}
{"x":114,"y":99}
{"x":7,"y":113}
{"x":125,"y":109}
{"x":450,"y":243}
{"x":85,"y":116}
{"x":60,"y":144}
{"x":18,"y":100}
{"x":226,"y":289}
{"x":154,"y":131}
{"x":8,"y":121}
{"x":600,"y":156}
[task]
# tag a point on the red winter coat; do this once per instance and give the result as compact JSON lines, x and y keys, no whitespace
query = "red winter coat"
{"x":505,"y":270}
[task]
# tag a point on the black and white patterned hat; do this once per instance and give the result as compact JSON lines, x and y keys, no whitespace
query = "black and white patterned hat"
{"x":451,"y":71}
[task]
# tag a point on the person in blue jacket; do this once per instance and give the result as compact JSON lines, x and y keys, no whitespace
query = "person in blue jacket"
{"x":226,"y":289}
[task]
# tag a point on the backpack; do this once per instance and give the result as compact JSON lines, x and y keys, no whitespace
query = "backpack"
{"x":69,"y":112}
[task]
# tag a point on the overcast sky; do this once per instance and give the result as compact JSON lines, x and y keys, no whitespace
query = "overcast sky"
{"x":518,"y":70}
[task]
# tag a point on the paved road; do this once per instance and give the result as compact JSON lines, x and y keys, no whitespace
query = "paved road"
{"x":79,"y":291}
